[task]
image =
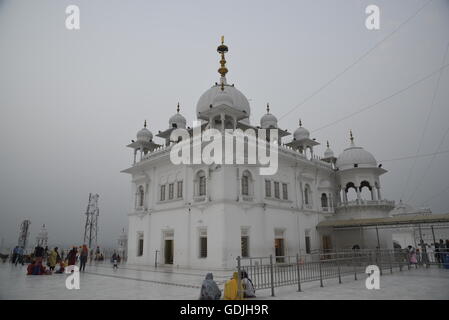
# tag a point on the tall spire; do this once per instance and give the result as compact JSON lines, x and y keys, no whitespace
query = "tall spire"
{"x":222,"y":49}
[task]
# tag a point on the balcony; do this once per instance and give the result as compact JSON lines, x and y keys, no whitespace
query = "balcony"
{"x":247,"y":198}
{"x":366,"y":203}
{"x":199,"y":198}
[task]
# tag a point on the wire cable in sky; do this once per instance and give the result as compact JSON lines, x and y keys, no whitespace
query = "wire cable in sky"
{"x":435,"y":196}
{"x":383,"y":99}
{"x":355,"y":62}
{"x":416,"y":156}
{"x":426,"y":124}
{"x":430,"y":163}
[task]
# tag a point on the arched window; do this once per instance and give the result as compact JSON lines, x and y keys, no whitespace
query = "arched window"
{"x":351,"y":191}
{"x":141,"y":195}
{"x":365,"y":190}
{"x":245,"y":183}
{"x":324,"y":203}
{"x":201,"y":178}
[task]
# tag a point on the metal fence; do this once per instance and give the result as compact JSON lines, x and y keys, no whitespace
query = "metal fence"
{"x":270,"y":272}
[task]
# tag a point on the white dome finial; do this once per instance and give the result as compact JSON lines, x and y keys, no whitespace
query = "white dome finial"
{"x":268,"y":120}
{"x":177,"y":120}
{"x":144,"y":134}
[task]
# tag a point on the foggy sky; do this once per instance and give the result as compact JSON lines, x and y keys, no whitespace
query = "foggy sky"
{"x":71,"y":100}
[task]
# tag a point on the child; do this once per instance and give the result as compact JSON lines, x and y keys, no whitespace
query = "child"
{"x":114,"y":261}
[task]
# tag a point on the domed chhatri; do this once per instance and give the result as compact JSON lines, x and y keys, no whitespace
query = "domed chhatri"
{"x":222,"y":94}
{"x":355,"y":156}
{"x":268,"y":120}
{"x":144,"y":135}
{"x":301,"y":133}
{"x":177,"y":120}
{"x":328,"y":153}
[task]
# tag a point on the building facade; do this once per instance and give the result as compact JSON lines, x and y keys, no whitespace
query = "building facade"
{"x":206,"y":215}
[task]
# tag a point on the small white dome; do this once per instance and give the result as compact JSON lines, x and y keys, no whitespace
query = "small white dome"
{"x":355,"y":155}
{"x":230,"y":96}
{"x":301,"y":133}
{"x":144,"y":135}
{"x":177,"y":120}
{"x":268,"y":120}
{"x":328,"y":153}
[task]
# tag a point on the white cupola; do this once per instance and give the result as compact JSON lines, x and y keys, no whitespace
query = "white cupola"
{"x":268,"y":120}
{"x":177,"y":120}
{"x":144,"y":135}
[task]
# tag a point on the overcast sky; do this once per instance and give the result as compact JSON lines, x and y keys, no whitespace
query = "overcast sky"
{"x":71,"y":100}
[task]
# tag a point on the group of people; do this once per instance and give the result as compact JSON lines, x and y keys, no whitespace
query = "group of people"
{"x":53,"y":258}
{"x":439,"y":251}
{"x":232,"y":291}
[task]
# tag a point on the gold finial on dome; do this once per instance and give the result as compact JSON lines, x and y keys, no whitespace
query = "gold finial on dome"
{"x":328,"y":143}
{"x":351,"y":136}
{"x":222,"y":49}
{"x":145,"y":124}
{"x":300,"y":123}
{"x":268,"y":108}
{"x":177,"y":108}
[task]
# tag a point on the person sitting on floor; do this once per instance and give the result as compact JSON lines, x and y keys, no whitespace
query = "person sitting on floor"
{"x":209,"y":289}
{"x":248,"y":287}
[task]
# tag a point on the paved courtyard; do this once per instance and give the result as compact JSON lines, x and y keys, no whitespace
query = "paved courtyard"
{"x":132,"y":282}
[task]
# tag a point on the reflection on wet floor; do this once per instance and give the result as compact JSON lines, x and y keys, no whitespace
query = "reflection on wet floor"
{"x":101,"y":281}
{"x":141,"y":282}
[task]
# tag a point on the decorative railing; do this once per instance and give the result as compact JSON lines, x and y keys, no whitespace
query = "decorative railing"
{"x":276,"y":271}
{"x":361,"y":202}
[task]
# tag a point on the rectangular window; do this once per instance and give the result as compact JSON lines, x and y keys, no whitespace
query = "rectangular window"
{"x":267,"y":188}
{"x":163,"y":193}
{"x":244,"y":240}
{"x":284,"y":191}
{"x":171,"y":188}
{"x":276,"y":190}
{"x":203,"y":243}
{"x":202,"y":186}
{"x":179,"y":191}
{"x":140,"y":245}
{"x":307,"y":241}
{"x":279,"y":245}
